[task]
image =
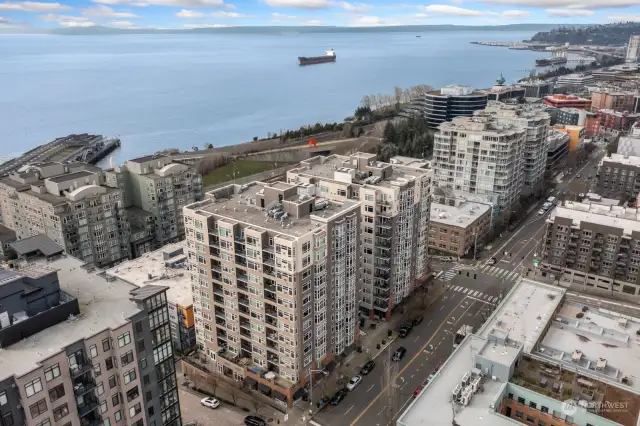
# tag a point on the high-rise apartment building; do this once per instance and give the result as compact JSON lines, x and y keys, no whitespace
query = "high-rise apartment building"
{"x":162,"y":187}
{"x":633,"y":49}
{"x":443,"y":105}
{"x":482,"y":156}
{"x":276,"y":272}
{"x":594,"y":247}
{"x":536,"y":122}
{"x":79,"y":349}
{"x":71,"y":204}
{"x":619,"y":177}
{"x":395,"y":200}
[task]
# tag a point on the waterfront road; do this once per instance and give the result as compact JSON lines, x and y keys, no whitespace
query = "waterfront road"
{"x":468,"y":301}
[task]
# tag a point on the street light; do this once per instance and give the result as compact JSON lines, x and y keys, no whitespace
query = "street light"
{"x":311,"y":371}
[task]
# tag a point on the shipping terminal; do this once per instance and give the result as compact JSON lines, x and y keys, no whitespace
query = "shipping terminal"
{"x":312,"y":60}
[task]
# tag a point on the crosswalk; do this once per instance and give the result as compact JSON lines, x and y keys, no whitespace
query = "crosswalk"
{"x":500,"y":273}
{"x":448,"y":275}
{"x":475,"y":294}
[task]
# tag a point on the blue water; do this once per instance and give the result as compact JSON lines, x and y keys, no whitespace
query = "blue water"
{"x":161,"y":91}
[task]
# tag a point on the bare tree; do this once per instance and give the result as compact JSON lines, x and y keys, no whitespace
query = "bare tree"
{"x":378,"y":128}
{"x":366,"y":101}
{"x":213,"y":383}
{"x":256,"y":404}
{"x":236,"y":393}
{"x":397,"y":92}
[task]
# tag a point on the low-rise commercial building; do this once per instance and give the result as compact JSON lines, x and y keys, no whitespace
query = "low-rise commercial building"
{"x":79,"y":349}
{"x":576,"y":135}
{"x":395,"y":199}
{"x":594,"y":247}
{"x":167,"y":267}
{"x":460,"y":229}
{"x":579,"y":117}
{"x":575,"y":81}
{"x":276,"y":272}
{"x":619,"y":176}
{"x":567,"y":101}
{"x":616,"y":121}
{"x":532,"y":363}
{"x":605,"y":98}
{"x":557,"y":152}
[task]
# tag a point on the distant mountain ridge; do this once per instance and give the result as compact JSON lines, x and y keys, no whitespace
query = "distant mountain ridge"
{"x":609,"y":34}
{"x":279,"y":30}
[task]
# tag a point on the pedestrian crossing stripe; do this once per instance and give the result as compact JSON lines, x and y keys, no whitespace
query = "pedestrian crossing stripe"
{"x":476,"y":295}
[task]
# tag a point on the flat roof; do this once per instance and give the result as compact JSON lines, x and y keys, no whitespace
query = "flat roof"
{"x":523,"y":313}
{"x":630,"y":160}
{"x":150,"y":269}
{"x":103,"y":305}
{"x":401,"y":160}
{"x":462,"y":215}
{"x":598,"y":335}
{"x":242,"y":208}
{"x":71,"y":176}
{"x":627,"y":218}
{"x":433,"y":406}
{"x":146,"y":158}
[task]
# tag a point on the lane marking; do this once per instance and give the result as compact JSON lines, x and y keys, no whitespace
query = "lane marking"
{"x":372,"y":386}
{"x":423,"y":349}
{"x":416,"y":339}
{"x":350,"y":408}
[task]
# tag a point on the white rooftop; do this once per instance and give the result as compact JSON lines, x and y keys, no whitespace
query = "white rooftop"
{"x":524,"y":312}
{"x":622,"y":159}
{"x":103,"y":305}
{"x":594,"y":198}
{"x":150,"y":269}
{"x":462,"y":215}
{"x":627,"y":218}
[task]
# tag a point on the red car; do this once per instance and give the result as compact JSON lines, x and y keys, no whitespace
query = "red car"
{"x":418,"y":390}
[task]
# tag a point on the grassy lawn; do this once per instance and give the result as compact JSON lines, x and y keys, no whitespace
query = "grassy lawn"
{"x":242,"y":168}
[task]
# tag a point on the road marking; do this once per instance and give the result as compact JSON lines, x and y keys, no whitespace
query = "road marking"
{"x":423,"y":349}
{"x":372,"y":386}
{"x":381,"y":411}
{"x":442,"y":307}
{"x":350,"y":408}
{"x":429,"y":322}
{"x":416,"y":339}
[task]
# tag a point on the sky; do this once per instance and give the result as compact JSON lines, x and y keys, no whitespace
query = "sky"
{"x":222,"y":13}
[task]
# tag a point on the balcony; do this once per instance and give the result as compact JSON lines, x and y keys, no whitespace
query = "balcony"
{"x":214,"y":251}
{"x":219,"y":313}
{"x":271,"y":344}
{"x":245,"y":332}
{"x":270,"y":295}
{"x":218,"y":299}
{"x":83,"y":385}
{"x":383,"y":232}
{"x":267,"y":270}
{"x":382,"y":242}
{"x":242,"y":286}
{"x":221,"y":322}
{"x":243,"y":309}
{"x":81,"y":368}
{"x":93,"y":419}
{"x":89,"y":405}
{"x":271,"y":321}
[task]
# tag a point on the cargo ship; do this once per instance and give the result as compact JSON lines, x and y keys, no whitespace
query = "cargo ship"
{"x":312,"y":60}
{"x":547,"y":62}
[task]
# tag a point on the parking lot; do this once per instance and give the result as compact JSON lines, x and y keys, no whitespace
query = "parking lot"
{"x":222,"y":416}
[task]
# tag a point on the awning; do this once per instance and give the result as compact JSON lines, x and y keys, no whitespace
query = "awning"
{"x":250,"y":382}
{"x":279,"y":396}
{"x":299,"y":393}
{"x":264,"y":389}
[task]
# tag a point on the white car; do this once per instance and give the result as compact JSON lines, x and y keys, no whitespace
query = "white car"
{"x":541,"y":212}
{"x":210,"y":402}
{"x":355,"y":381}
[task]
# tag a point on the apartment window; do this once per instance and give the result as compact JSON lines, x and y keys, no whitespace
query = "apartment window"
{"x":126,"y":358}
{"x":533,"y":405}
{"x":124,"y":339}
{"x":56,"y":393}
{"x":3,"y":398}
{"x":138,"y":327}
{"x":45,"y":422}
{"x":541,"y":423}
{"x":8,"y":419}
{"x":97,"y":371}
{"x":115,"y":399}
{"x":109,"y":363}
{"x":129,"y":376}
{"x":118,"y":416}
{"x":519,"y":414}
{"x":132,"y":394}
{"x":141,"y":346}
{"x":544,"y":409}
{"x":52,"y":372}
{"x":60,"y":412}
{"x":103,"y":407}
{"x":93,"y":351}
{"x":106,"y":344}
{"x":33,"y":387}
{"x":112,"y":382}
{"x":38,"y":408}
{"x":149,"y":396}
{"x":106,"y":422}
{"x":520,"y":400}
{"x":150,"y":410}
{"x":133,"y":411}
{"x":145,"y":379}
{"x":143,"y":363}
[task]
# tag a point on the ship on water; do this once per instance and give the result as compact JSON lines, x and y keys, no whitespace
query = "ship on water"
{"x":546,"y":62}
{"x":312,"y":60}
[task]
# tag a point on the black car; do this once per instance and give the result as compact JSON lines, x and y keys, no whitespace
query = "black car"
{"x":366,"y":369}
{"x":399,"y":354}
{"x":417,"y":320}
{"x":254,"y":421}
{"x":338,"y":397}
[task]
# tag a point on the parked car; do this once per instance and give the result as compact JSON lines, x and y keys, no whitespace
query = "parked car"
{"x":418,"y":390}
{"x":417,"y":320}
{"x":367,"y":368}
{"x":578,"y":176}
{"x":431,"y":376}
{"x":541,"y":212}
{"x":338,"y":397}
{"x":399,"y":353}
{"x":254,"y":421}
{"x":210,"y":402}
{"x":492,"y":261}
{"x":405,"y":329}
{"x":354,"y":382}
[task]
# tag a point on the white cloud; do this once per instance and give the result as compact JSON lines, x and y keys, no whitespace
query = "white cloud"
{"x":622,"y":17}
{"x":313,"y":23}
{"x":569,"y":4}
{"x":72,"y":24}
{"x":366,"y":21}
{"x":568,"y":13}
{"x":514,"y":14}
{"x":279,"y":16}
{"x":102,"y":11}
{"x":126,"y":24}
{"x":190,"y":14}
{"x":52,"y":17}
{"x":355,"y":7}
{"x":229,"y":15}
{"x":300,"y":4}
{"x":31,"y":6}
{"x":195,"y":26}
{"x":212,"y":4}
{"x":445,"y":9}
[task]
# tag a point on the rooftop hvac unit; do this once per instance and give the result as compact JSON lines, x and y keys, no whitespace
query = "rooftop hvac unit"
{"x":457,"y":391}
{"x":601,"y":364}
{"x":577,"y":355}
{"x":622,"y":322}
{"x":465,"y":379}
{"x":475,"y":383}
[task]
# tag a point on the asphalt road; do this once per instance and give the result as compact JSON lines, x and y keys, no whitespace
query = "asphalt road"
{"x":192,"y":410}
{"x":428,"y":344}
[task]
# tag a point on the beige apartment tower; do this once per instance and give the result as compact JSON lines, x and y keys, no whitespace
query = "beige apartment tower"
{"x":275,"y":272}
{"x":394,"y":232}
